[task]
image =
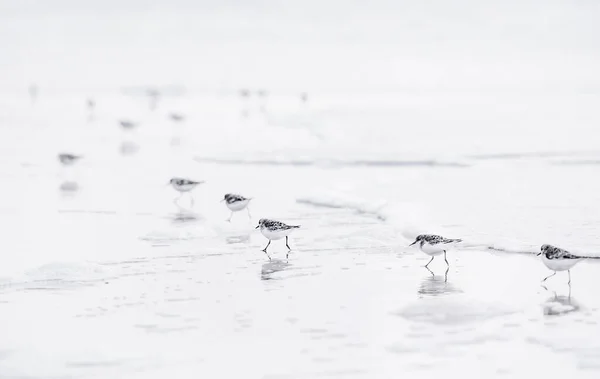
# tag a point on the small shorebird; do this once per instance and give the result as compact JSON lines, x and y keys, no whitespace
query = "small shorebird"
{"x":176,"y":117}
{"x":33,"y":92}
{"x":557,"y":259}
{"x":154,"y":95}
{"x":263,"y":97}
{"x":128,"y":125}
{"x":275,"y":230}
{"x":68,"y":159}
{"x":236,"y":203}
{"x":304,"y":97}
{"x":183,"y":185}
{"x":91,"y":104}
{"x":433,"y":245}
{"x":244,"y":93}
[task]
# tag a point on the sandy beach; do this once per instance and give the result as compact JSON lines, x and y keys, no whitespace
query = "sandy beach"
{"x":174,"y":291}
{"x":366,"y":125}
{"x":349,"y":302}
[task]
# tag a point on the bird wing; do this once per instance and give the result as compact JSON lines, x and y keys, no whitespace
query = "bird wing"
{"x":451,"y":240}
{"x":566,"y":255}
{"x":233,"y":198}
{"x":276,"y":225}
{"x":434,"y":240}
{"x":558,"y":253}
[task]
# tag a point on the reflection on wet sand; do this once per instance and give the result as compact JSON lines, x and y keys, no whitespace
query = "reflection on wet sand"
{"x":185,"y":216}
{"x":436,"y":285}
{"x":238,"y":239}
{"x":557,"y":305}
{"x":129,"y":148}
{"x":272,"y":267}
{"x":68,"y":188}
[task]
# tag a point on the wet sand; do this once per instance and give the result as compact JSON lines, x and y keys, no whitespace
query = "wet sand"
{"x":349,"y":302}
{"x":103,"y":275}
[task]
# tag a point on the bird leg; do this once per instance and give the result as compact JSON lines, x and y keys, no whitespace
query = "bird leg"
{"x":286,"y":243}
{"x":230,"y":216}
{"x":549,"y":276}
{"x":429,"y":262}
{"x":446,"y":259}
{"x":569,"y":282}
{"x":176,"y":200}
{"x":265,"y":249}
{"x":248,"y":209}
{"x":431,"y":272}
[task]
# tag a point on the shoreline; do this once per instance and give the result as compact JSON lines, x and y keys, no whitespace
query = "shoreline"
{"x":341,"y":296}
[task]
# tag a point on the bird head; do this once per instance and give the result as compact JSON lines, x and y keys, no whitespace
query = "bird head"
{"x":419,"y":238}
{"x":543,"y":249}
{"x":260,"y":223}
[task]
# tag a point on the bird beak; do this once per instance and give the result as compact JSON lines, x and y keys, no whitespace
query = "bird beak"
{"x":413,"y":243}
{"x":538,"y":253}
{"x":257,"y":226}
{"x":222,"y":200}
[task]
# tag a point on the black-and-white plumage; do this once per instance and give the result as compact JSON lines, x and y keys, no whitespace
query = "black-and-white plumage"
{"x":434,"y":245}
{"x":68,"y":159}
{"x":557,"y":259}
{"x":183,"y":184}
{"x":236,"y":203}
{"x":274,"y":230}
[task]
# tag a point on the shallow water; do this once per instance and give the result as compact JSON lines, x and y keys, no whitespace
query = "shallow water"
{"x":103,"y":269}
{"x":468,"y":121}
{"x":348,"y":302}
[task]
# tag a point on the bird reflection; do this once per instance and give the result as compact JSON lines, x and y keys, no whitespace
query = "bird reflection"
{"x":272,"y":267}
{"x":184,"y":215}
{"x":304,"y":97}
{"x":245,"y":94}
{"x":68,"y":187}
{"x":128,"y":148}
{"x":263,"y":98}
{"x":91,"y":104}
{"x":33,"y":92}
{"x":128,"y":124}
{"x":238,"y":239}
{"x":435,"y":285}
{"x":153,"y":95}
{"x":557,"y":305}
